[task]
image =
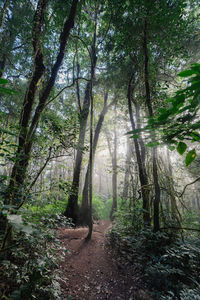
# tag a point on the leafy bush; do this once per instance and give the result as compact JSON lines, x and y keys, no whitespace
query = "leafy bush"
{"x":28,"y":270}
{"x":128,"y":220}
{"x":171,"y":267}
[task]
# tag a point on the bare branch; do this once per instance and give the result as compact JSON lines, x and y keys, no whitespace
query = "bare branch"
{"x":66,"y":87}
{"x":188,"y":185}
{"x":40,"y":171}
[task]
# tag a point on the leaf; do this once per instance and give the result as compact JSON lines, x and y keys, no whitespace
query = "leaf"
{"x":195,"y":136}
{"x":28,"y":229}
{"x":15,"y":219}
{"x":8,"y":207}
{"x":7,"y":91}
{"x":153,"y":144}
{"x":16,"y":295}
{"x":17,"y":222}
{"x":138,"y":130}
{"x":3,"y":81}
{"x":181,"y":148}
{"x":186,"y":73}
{"x":171,"y":148}
{"x":190,"y":157}
{"x":135,"y":136}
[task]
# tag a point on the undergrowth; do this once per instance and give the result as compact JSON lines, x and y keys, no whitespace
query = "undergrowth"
{"x":168,"y":261}
{"x":29,"y":268}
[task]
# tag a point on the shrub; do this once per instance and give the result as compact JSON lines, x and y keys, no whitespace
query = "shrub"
{"x":28,"y":270}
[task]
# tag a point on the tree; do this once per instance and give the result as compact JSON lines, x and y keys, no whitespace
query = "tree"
{"x":28,"y":120}
{"x":97,"y":132}
{"x":28,"y":124}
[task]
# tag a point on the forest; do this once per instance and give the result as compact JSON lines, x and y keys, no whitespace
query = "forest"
{"x":99,"y":149}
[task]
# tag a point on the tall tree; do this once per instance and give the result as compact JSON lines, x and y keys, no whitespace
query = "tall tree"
{"x":28,"y":120}
{"x":72,"y":209}
{"x":95,"y":142}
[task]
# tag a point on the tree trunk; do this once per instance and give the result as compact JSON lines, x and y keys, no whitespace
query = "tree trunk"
{"x":72,"y":206}
{"x":27,"y":131}
{"x":141,"y":167}
{"x":72,"y":209}
{"x":150,"y":109}
{"x":95,"y":142}
{"x":91,"y":157}
{"x":174,"y":209}
{"x":114,"y":170}
{"x":125,"y":191}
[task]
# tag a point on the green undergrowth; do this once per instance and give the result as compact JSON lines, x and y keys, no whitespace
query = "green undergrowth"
{"x":100,"y":207}
{"x":29,"y":268}
{"x":169,"y":262}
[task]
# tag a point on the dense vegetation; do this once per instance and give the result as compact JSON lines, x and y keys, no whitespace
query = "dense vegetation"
{"x":99,"y":112}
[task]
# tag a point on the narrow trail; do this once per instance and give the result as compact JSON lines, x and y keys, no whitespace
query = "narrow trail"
{"x":90,"y":271}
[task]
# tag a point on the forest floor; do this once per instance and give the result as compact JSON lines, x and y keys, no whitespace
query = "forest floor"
{"x":92,"y":271}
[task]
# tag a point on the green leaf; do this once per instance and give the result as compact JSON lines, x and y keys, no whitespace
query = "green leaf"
{"x":153,"y":144}
{"x":135,"y":136}
{"x":7,"y":91}
{"x":190,"y":157}
{"x":3,"y":81}
{"x":195,"y":136}
{"x":138,"y":130}
{"x":16,"y":295}
{"x":181,"y":148}
{"x":6,"y":131}
{"x":186,"y":73}
{"x":171,"y":148}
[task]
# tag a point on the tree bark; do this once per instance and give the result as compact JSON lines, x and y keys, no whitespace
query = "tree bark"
{"x":114,"y":169}
{"x":141,"y":167}
{"x":95,"y":142}
{"x":150,"y":110}
{"x":125,"y":191}
{"x":72,"y":206}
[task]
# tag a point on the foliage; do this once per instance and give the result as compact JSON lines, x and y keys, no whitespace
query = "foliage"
{"x":191,"y":220}
{"x":4,"y":90}
{"x":169,"y":265}
{"x":100,"y":208}
{"x":118,"y":43}
{"x":179,"y":119}
{"x":97,"y":208}
{"x":129,"y":220}
{"x":34,"y":255}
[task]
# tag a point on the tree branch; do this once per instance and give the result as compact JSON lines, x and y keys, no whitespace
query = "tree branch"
{"x":188,"y":185}
{"x":66,"y":87}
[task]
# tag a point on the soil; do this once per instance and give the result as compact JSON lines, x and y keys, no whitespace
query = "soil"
{"x":91,"y":271}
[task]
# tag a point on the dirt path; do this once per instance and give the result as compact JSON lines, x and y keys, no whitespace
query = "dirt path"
{"x":90,"y":271}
